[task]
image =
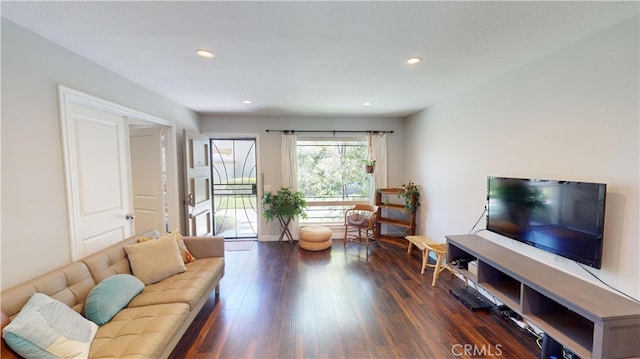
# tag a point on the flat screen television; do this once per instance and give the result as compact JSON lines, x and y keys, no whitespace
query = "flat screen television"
{"x":562,"y":217}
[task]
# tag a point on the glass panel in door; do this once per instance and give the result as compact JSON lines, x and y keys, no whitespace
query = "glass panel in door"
{"x":235,"y":196}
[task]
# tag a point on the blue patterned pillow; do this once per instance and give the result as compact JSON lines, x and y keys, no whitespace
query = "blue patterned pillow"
{"x":112,"y":294}
{"x":47,"y":328}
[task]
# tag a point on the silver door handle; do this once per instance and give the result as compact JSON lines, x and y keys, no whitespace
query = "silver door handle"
{"x":130,"y":217}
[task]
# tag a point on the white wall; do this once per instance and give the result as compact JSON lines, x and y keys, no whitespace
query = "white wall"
{"x":269,"y":143}
{"x":34,"y":233}
{"x":571,"y":115}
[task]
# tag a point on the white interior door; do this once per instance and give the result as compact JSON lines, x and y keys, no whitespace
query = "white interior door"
{"x":96,"y":144}
{"x":147,"y":164}
{"x":198,"y":205}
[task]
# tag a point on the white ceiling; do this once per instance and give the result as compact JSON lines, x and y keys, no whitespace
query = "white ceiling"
{"x":314,"y":58}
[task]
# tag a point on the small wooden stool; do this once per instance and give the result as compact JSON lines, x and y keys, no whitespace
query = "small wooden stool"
{"x":425,"y":245}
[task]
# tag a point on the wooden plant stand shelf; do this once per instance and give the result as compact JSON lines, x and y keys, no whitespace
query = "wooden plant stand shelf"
{"x":384,"y":217}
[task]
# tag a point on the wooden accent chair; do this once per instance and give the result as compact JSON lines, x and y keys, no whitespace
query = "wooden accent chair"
{"x":359,"y":225}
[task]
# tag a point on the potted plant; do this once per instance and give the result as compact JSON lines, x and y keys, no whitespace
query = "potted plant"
{"x":369,"y":165}
{"x":284,"y":206}
{"x":410,"y":193}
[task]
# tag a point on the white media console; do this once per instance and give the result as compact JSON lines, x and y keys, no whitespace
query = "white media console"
{"x":589,"y":320}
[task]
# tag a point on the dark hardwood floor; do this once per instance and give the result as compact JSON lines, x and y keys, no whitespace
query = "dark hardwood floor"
{"x":279,"y":301}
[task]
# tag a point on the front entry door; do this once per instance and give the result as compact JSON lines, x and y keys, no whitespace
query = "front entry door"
{"x":197,"y":200}
{"x":235,"y":188}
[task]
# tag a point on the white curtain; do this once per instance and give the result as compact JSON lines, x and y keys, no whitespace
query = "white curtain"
{"x":290,"y":171}
{"x":378,"y":152}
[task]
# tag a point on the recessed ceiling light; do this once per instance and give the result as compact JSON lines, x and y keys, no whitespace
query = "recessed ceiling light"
{"x":366,"y":104}
{"x":247,"y":102}
{"x":205,"y":53}
{"x":414,"y":60}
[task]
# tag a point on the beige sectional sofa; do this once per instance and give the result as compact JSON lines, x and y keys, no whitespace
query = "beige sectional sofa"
{"x":153,"y":322}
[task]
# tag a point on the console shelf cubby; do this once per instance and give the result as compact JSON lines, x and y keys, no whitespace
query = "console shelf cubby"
{"x":504,"y":287}
{"x":589,"y":320}
{"x":455,"y":253}
{"x":558,"y":321}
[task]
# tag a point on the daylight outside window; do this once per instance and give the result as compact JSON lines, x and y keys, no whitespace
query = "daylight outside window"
{"x":331,"y":175}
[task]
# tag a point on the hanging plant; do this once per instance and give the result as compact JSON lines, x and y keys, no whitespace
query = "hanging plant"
{"x":410,"y":194}
{"x":369,"y":166}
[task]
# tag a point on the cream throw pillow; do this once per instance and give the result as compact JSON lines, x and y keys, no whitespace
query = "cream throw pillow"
{"x":153,"y":261}
{"x":187,"y":257}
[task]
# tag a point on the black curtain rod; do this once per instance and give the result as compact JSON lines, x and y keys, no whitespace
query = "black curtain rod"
{"x":330,"y":131}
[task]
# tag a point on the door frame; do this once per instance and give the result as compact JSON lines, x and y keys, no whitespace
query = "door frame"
{"x":257,"y":192}
{"x":260,"y":175}
{"x":67,"y":95}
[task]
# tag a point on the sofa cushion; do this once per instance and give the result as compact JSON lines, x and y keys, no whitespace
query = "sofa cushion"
{"x":113,"y":259}
{"x":187,"y":287}
{"x":112,"y":294}
{"x":359,"y":220}
{"x":153,"y":261}
{"x":47,"y":328}
{"x":69,"y":284}
{"x":139,"y":332}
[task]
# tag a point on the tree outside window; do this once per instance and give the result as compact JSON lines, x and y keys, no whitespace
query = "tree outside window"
{"x":331,"y":175}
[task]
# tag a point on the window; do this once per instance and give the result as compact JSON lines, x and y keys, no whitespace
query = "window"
{"x":331,"y":175}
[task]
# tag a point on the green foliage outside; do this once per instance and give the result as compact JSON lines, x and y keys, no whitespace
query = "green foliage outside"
{"x":332,"y":170}
{"x":232,"y":202}
{"x":242,"y":180}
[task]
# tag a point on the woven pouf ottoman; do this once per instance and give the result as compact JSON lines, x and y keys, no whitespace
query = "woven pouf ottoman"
{"x":315,"y":238}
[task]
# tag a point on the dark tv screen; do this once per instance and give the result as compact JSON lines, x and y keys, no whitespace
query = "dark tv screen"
{"x":562,"y":217}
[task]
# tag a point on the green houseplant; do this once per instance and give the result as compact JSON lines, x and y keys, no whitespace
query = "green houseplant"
{"x":410,"y":194}
{"x":284,"y":206}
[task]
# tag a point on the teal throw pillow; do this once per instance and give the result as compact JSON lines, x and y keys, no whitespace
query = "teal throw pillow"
{"x":112,"y":294}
